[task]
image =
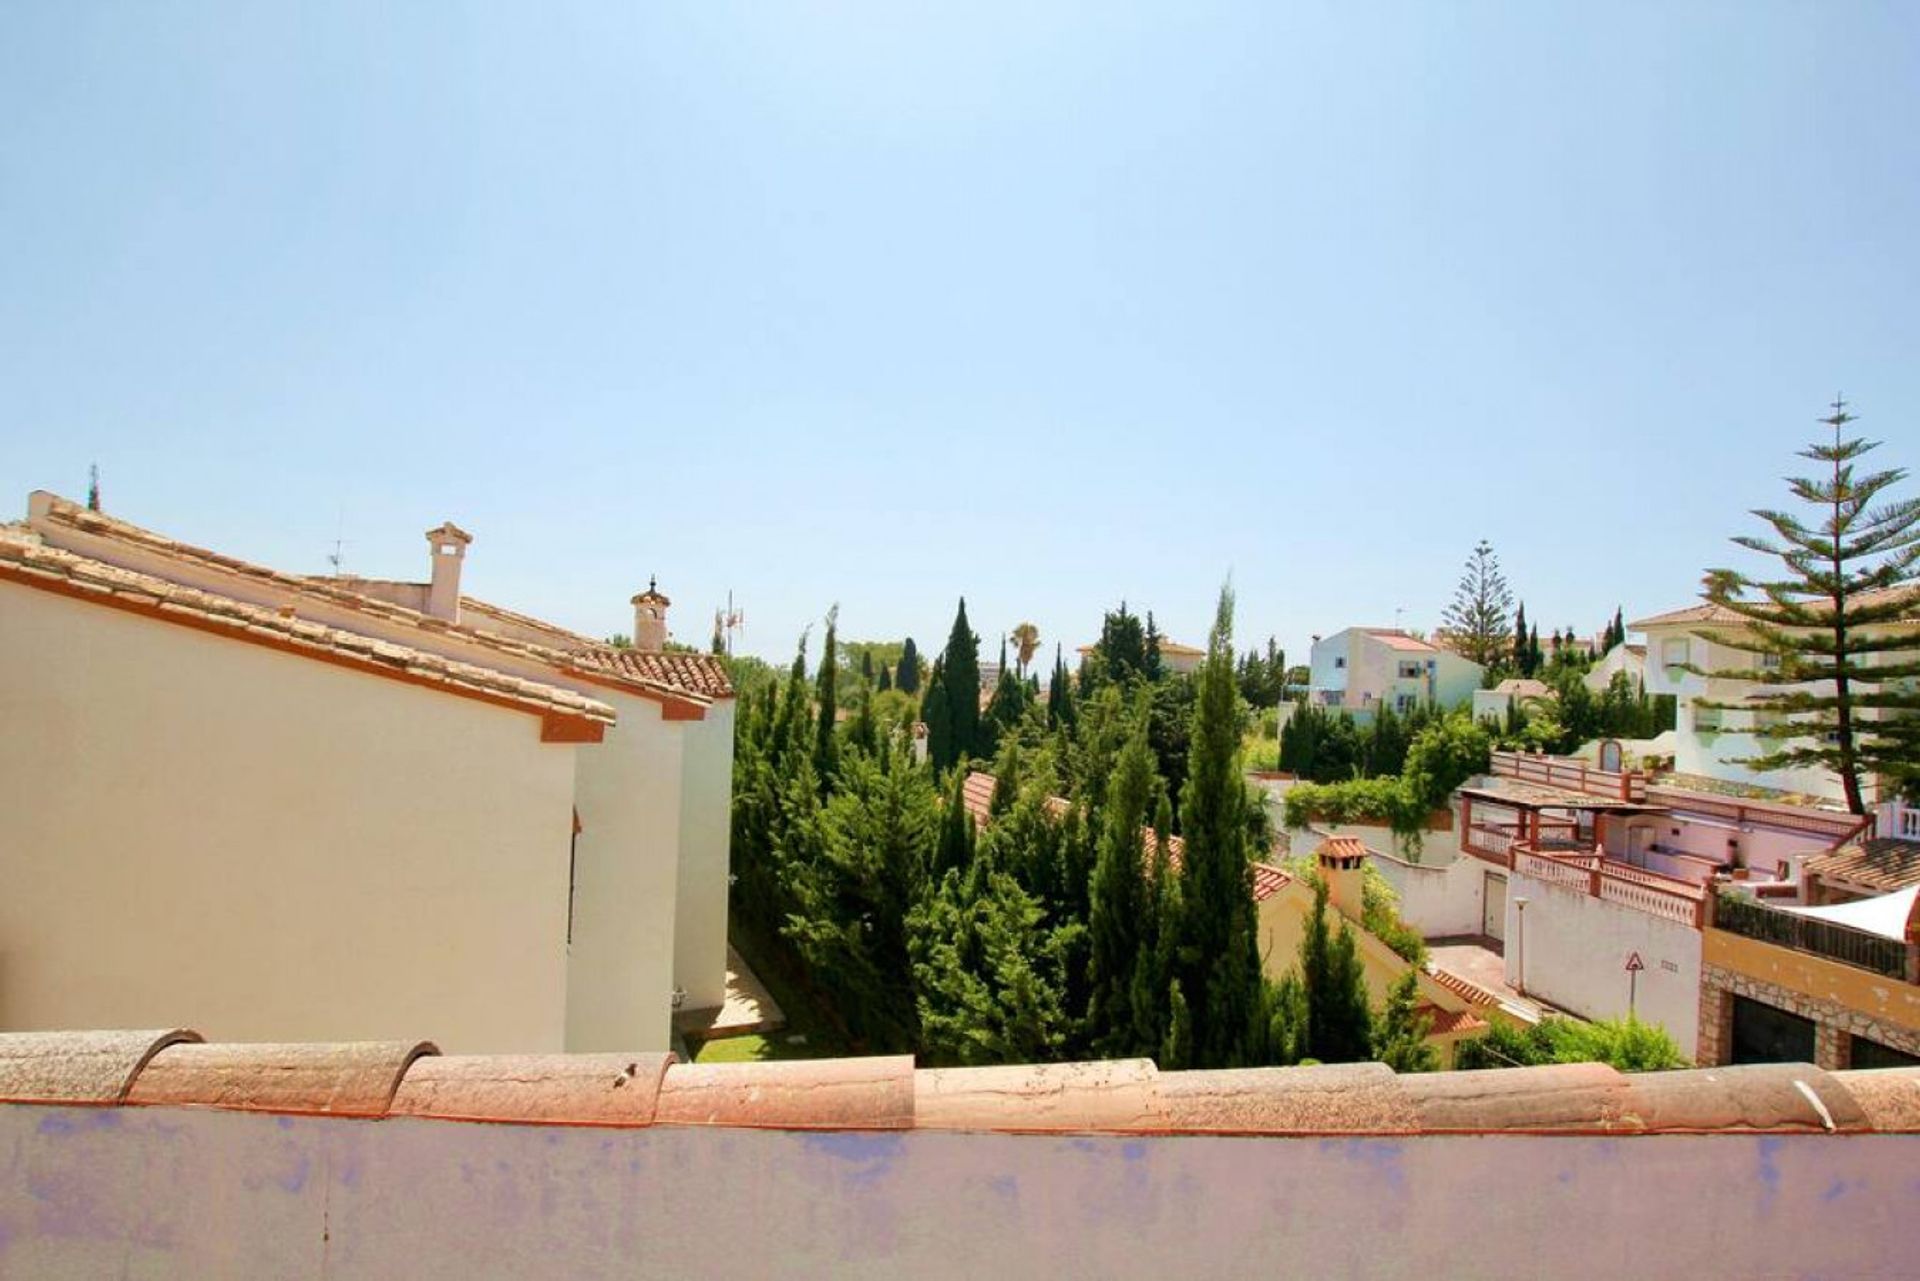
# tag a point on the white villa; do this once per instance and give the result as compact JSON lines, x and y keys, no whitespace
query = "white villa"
{"x":1363,"y":669}
{"x":1630,"y":659}
{"x":307,"y":808}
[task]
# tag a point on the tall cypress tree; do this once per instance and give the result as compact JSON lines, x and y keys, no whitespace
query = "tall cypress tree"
{"x":907,"y":678}
{"x":1339,"y":1022}
{"x":826,"y":750}
{"x":937,"y":712}
{"x":1061,"y":711}
{"x":1150,"y":662}
{"x":961,"y":664}
{"x":1223,"y":980}
{"x":1521,"y":657}
{"x":1826,"y":622}
{"x":1119,"y":900}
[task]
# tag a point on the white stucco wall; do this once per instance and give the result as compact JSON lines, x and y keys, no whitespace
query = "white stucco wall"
{"x":1575,"y":951}
{"x":1438,"y":901}
{"x":706,"y":807}
{"x":626,"y":876}
{"x":197,"y":830}
{"x":194,"y":1193}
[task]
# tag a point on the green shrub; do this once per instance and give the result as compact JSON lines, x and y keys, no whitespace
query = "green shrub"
{"x":1626,"y":1044}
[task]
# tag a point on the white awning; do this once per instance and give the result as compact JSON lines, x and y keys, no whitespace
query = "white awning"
{"x":1884,"y":914}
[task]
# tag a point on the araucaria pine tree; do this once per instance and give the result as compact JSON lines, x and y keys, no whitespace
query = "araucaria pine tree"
{"x":1219,"y":943}
{"x":1477,"y":620}
{"x":1835,"y":665}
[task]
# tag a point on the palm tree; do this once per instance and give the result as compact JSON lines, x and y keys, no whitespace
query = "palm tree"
{"x":1026,"y":639}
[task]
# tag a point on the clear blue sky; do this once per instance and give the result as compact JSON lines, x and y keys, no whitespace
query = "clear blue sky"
{"x":881,"y":304}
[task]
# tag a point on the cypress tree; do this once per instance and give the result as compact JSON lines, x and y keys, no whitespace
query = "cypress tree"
{"x":826,"y":748}
{"x":1827,"y":621}
{"x":866,"y":666}
{"x":1223,"y":980}
{"x":1521,"y":658}
{"x":1400,"y":1041}
{"x":937,"y":712}
{"x":1061,"y":711}
{"x":954,"y":849}
{"x":961,"y":665}
{"x":1339,"y":1022}
{"x":885,"y":681}
{"x":1119,"y":899}
{"x":1150,"y":662}
{"x":907,"y":678}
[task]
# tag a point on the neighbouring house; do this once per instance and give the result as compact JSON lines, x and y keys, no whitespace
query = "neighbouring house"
{"x":1494,"y":704}
{"x":1715,"y":741}
{"x":315,"y":807}
{"x":1454,"y":1008}
{"x":1622,"y":658}
{"x":1174,"y":657}
{"x":1363,"y":669}
{"x":1837,"y":986}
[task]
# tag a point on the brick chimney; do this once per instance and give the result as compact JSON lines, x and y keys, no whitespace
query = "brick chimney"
{"x":650,"y":619}
{"x":448,"y":545}
{"x":1341,"y":859}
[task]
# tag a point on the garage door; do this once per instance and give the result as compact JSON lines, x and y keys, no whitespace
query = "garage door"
{"x":1766,"y":1034}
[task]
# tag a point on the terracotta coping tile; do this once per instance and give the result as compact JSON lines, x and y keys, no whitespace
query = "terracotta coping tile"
{"x":578,"y":1089}
{"x":1889,"y":1098}
{"x":1348,"y":1098}
{"x":817,"y":1094}
{"x":1761,"y":1096}
{"x":1115,"y":1096}
{"x":78,"y":1067}
{"x":350,"y":1079}
{"x":1558,"y":1098}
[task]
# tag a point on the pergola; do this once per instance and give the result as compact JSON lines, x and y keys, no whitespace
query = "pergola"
{"x":1503,"y":812}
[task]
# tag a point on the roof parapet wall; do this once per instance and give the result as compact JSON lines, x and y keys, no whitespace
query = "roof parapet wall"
{"x":375,"y":1080}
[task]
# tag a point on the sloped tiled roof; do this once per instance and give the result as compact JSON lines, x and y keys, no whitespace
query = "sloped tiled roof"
{"x":1523,"y":687}
{"x":67,"y":514}
{"x":1268,"y":881}
{"x":889,"y":1094}
{"x":1466,"y":989}
{"x":1701,"y":613}
{"x":1394,"y":638}
{"x":1886,"y":864}
{"x":1444,"y":1022}
{"x":24,"y":559}
{"x":703,"y":674}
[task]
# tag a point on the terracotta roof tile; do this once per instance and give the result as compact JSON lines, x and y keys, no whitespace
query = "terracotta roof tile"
{"x":1886,"y":864}
{"x":1268,"y":880}
{"x":350,"y":1079}
{"x":1127,"y":1097}
{"x":702,"y":674}
{"x":1464,"y":988}
{"x":577,"y":1089}
{"x":1394,"y":638}
{"x":1445,"y":1022}
{"x":26,"y":560}
{"x":807,"y":1094}
{"x":66,"y":514}
{"x":1337,"y":1099}
{"x":1562,"y":1097}
{"x":1114,"y":1096}
{"x":1889,"y":1098}
{"x":1701,"y":613}
{"x":1766,"y":1096}
{"x":78,"y":1067}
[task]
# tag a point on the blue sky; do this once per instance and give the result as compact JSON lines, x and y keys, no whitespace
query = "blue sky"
{"x":882,"y":304}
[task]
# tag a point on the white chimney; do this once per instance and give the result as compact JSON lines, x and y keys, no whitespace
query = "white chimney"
{"x":449,"y":548}
{"x":650,"y":619}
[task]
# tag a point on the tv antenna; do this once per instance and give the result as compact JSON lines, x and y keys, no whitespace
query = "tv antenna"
{"x":337,"y":557}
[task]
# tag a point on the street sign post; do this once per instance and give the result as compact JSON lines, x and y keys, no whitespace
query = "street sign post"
{"x":1634,"y":966}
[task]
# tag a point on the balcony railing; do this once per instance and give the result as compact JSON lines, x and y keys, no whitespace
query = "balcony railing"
{"x":1829,"y":939}
{"x":1590,"y":872}
{"x":1572,"y":775}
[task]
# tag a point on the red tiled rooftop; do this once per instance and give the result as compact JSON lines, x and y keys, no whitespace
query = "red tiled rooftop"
{"x":703,"y":674}
{"x":1394,"y":638}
